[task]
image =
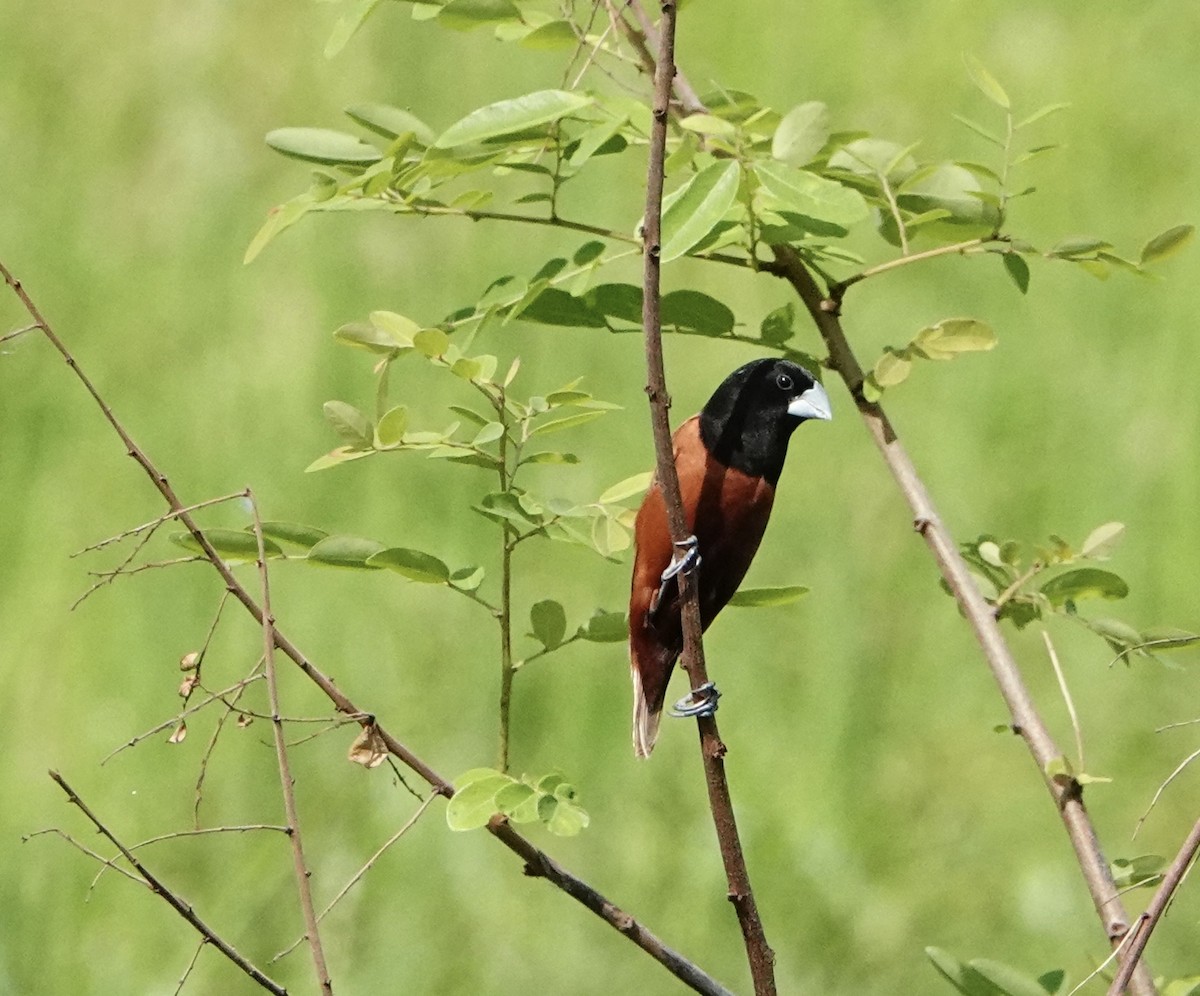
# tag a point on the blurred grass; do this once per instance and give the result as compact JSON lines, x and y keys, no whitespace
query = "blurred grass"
{"x":880,"y":811}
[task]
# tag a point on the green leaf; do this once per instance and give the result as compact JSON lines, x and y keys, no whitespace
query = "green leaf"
{"x":278,"y":218}
{"x":605,"y":627}
{"x":707,"y":124}
{"x":551,"y":456}
{"x":1102,"y":540}
{"x":1006,"y":979}
{"x":463,"y":15}
{"x":1167,"y":244}
{"x":345,"y":551}
{"x":1077,"y":246}
{"x":349,"y":423}
{"x":811,"y":195}
{"x":696,"y":207}
{"x":556,"y":307}
{"x":1040,"y":113}
{"x":779,"y":325}
{"x":348,"y":24}
{"x":474,"y":802}
{"x":765,"y":597}
{"x":890,"y":369}
{"x":952,"y":336}
{"x":488,"y":434}
{"x":1084,"y":582}
{"x":513,"y":798}
{"x":979,"y":130}
{"x":1016,"y":267}
{"x":391,"y":122}
{"x":587,"y":253}
{"x":368,"y":336}
{"x":567,"y":422}
{"x":508,"y":116}
{"x":551,"y":35}
{"x":292,"y":532}
{"x":343,"y":454}
{"x":390,"y":431}
{"x":691,"y":309}
{"x":801,"y":134}
{"x":412,"y":564}
{"x":1144,"y":870}
{"x":962,"y":977}
{"x":324,"y":146}
{"x":567,"y":819}
{"x":231,"y":544}
{"x":1119,"y":635}
{"x":986,"y":82}
{"x":1053,"y":981}
{"x":549,"y":622}
{"x":431,"y":342}
{"x":627,"y":488}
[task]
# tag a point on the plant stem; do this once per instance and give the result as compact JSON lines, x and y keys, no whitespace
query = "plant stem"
{"x":1067,"y":793}
{"x":504,"y":618}
{"x":758,"y":952}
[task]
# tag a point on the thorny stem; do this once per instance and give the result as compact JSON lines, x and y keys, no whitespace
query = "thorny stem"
{"x":758,"y":952}
{"x":538,"y":864}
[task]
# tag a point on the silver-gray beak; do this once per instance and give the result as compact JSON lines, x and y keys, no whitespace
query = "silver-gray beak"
{"x":813,"y":403}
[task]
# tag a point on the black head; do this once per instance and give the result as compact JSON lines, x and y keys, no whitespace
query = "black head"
{"x":748,"y":421}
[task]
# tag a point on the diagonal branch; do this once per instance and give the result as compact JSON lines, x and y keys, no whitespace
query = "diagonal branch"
{"x":1158,"y":906}
{"x":712,"y":750}
{"x":179,"y":905}
{"x":1066,"y":792}
{"x":537,"y":862}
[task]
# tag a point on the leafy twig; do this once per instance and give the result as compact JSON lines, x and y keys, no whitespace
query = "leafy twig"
{"x":175,"y":902}
{"x":361,"y":872}
{"x":758,"y":952}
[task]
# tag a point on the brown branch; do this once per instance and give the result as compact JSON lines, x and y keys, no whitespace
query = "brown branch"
{"x":538,"y":864}
{"x":576,"y":888}
{"x":758,"y":952}
{"x":361,"y":872}
{"x":287,"y":782}
{"x":176,"y":903}
{"x":1067,"y":793}
{"x":1141,"y":932}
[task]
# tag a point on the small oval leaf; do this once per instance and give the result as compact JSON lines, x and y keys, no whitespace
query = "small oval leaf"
{"x":412,"y":564}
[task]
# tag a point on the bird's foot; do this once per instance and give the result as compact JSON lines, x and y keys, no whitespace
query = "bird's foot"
{"x":700,"y":701}
{"x":684,"y":564}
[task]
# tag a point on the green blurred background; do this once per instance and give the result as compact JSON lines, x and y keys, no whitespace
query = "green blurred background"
{"x":881,"y":814}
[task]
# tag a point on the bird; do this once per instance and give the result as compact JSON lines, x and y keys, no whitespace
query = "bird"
{"x":729,"y":457}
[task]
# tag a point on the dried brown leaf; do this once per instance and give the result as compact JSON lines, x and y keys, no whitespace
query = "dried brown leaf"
{"x":368,"y":748}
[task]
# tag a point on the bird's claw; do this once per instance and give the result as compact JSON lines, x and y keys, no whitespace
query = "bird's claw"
{"x":700,"y":701}
{"x":689,"y":561}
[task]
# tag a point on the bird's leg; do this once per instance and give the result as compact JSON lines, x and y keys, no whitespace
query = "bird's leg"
{"x":687,"y":562}
{"x":700,"y":701}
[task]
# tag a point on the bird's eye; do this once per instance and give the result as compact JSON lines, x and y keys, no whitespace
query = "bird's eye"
{"x":784,"y":382}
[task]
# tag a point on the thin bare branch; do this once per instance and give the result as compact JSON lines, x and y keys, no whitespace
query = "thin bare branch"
{"x":1067,"y":793}
{"x":153,"y":524}
{"x":1066,"y":694}
{"x":758,"y":952}
{"x":216,"y":734}
{"x":174,"y":720}
{"x":1162,"y":788}
{"x":191,"y":965}
{"x":838,"y":290}
{"x":1172,"y":879}
{"x":287,"y":782}
{"x":106,"y":862}
{"x":173,"y":900}
{"x":361,"y":872}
